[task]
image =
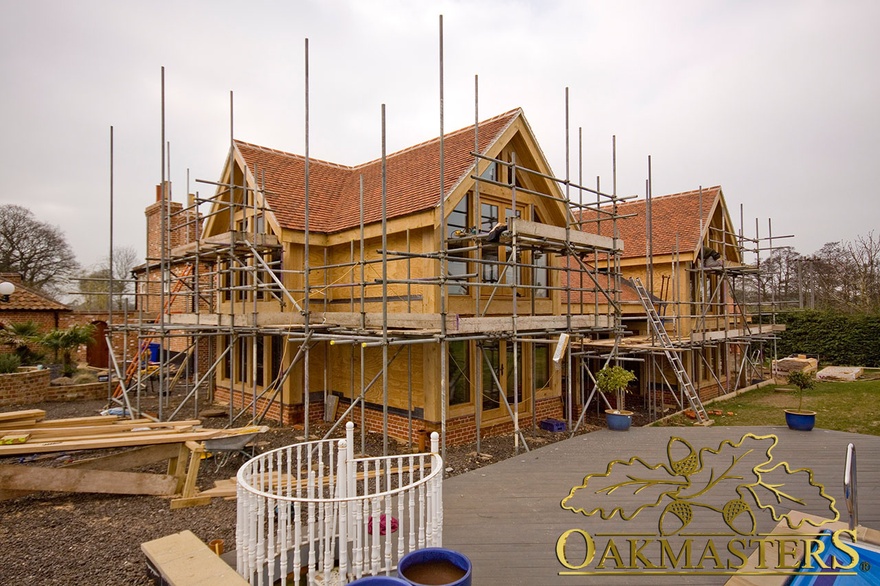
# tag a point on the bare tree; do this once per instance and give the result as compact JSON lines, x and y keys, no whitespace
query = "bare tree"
{"x":863,"y":256}
{"x":780,"y":277}
{"x":36,"y":250}
{"x":95,"y":284}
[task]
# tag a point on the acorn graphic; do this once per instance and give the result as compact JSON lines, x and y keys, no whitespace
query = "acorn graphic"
{"x":675,"y":517}
{"x":733,"y":513}
{"x":684,"y":466}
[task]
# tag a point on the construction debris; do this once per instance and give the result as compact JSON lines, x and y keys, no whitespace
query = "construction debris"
{"x":841,"y":373}
{"x":799,"y":362}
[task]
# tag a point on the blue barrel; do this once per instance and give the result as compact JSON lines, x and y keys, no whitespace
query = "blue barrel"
{"x":154,"y":351}
{"x":380,"y":581}
{"x":435,"y":565}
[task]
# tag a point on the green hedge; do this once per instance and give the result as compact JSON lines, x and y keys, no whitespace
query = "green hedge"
{"x":837,"y":338}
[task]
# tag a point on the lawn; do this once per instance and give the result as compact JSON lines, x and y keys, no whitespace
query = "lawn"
{"x":842,"y":406}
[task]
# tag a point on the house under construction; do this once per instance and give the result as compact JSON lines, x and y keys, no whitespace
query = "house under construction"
{"x":683,"y":276}
{"x":456,"y":285}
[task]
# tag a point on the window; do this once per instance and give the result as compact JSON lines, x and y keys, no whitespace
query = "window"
{"x":241,"y":360}
{"x":540,"y":277}
{"x":277,"y":356}
{"x":225,"y":281}
{"x":491,"y":172}
{"x":224,"y":364}
{"x":542,"y":365}
{"x":457,"y":222}
{"x":259,"y":341}
{"x":488,"y":219}
{"x":459,"y":381}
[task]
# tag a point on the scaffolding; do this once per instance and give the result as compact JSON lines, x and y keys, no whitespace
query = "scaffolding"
{"x":708,"y":300}
{"x":213,"y":293}
{"x":216,"y":299}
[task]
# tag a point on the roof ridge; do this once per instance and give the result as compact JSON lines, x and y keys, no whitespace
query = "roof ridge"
{"x":642,"y":200}
{"x":436,"y":139}
{"x":293,"y":155}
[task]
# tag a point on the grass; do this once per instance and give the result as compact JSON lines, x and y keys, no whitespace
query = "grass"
{"x":841,"y":406}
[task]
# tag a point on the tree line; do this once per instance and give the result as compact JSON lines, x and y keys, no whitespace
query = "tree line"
{"x":840,"y":277}
{"x":40,"y":253}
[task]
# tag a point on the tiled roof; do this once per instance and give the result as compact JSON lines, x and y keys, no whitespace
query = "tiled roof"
{"x":584,"y":289}
{"x":26,"y":299}
{"x":413,"y":179}
{"x":675,"y":222}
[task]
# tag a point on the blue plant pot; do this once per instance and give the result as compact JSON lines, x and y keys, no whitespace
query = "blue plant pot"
{"x":380,"y":581}
{"x":618,"y":420}
{"x":800,"y":420}
{"x":416,"y":563}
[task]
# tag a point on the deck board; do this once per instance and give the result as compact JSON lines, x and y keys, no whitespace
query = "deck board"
{"x":507,"y":516}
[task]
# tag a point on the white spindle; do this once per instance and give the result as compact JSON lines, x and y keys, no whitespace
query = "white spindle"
{"x":311,"y":525}
{"x":309,"y":496}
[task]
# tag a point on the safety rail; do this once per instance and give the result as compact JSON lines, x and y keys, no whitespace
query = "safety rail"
{"x":313,"y":508}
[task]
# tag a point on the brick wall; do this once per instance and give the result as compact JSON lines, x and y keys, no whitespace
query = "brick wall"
{"x":285,"y":414}
{"x":32,"y":386}
{"x":25,"y":386}
{"x":45,"y":320}
{"x":458,"y":430}
{"x":86,"y":392}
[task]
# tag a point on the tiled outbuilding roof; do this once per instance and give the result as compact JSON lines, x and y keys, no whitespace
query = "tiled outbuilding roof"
{"x":26,"y":299}
{"x":675,"y":220}
{"x":412,"y":179}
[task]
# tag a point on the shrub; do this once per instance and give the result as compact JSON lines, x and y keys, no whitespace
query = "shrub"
{"x":9,"y":363}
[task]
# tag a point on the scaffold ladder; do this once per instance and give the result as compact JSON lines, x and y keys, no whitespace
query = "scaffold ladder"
{"x":674,"y":359}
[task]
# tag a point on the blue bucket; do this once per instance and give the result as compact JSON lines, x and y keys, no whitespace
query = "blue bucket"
{"x":437,"y":562}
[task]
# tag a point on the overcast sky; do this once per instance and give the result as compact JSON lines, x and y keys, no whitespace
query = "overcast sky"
{"x":777,"y":101}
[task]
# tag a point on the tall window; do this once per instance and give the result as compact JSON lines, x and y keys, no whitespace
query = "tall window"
{"x":488,"y":219}
{"x":224,"y":364}
{"x":457,"y":223}
{"x":542,"y":365}
{"x":241,"y":360}
{"x":459,"y":381}
{"x":277,"y":356}
{"x":260,"y":366}
{"x":225,"y":281}
{"x":541,"y":275}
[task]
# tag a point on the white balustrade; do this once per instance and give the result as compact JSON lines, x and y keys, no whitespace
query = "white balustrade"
{"x":312,"y":508}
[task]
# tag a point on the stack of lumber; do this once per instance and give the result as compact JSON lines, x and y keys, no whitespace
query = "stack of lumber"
{"x":27,"y":432}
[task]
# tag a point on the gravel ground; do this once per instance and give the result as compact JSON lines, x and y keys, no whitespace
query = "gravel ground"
{"x":62,"y":538}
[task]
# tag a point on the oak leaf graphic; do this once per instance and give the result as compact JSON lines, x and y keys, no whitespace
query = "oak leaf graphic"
{"x":735,"y":480}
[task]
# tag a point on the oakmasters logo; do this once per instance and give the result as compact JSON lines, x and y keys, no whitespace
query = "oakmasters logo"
{"x":708,"y":501}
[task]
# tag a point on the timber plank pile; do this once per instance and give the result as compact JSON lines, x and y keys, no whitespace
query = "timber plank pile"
{"x":27,"y":434}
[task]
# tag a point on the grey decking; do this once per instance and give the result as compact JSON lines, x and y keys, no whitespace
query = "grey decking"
{"x":507,"y":517}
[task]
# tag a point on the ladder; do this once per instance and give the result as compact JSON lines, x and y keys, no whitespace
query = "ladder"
{"x":680,"y":373}
{"x":135,"y":363}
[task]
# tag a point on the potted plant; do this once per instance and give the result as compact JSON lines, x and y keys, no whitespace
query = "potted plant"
{"x":800,"y":419}
{"x":614,"y":379}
